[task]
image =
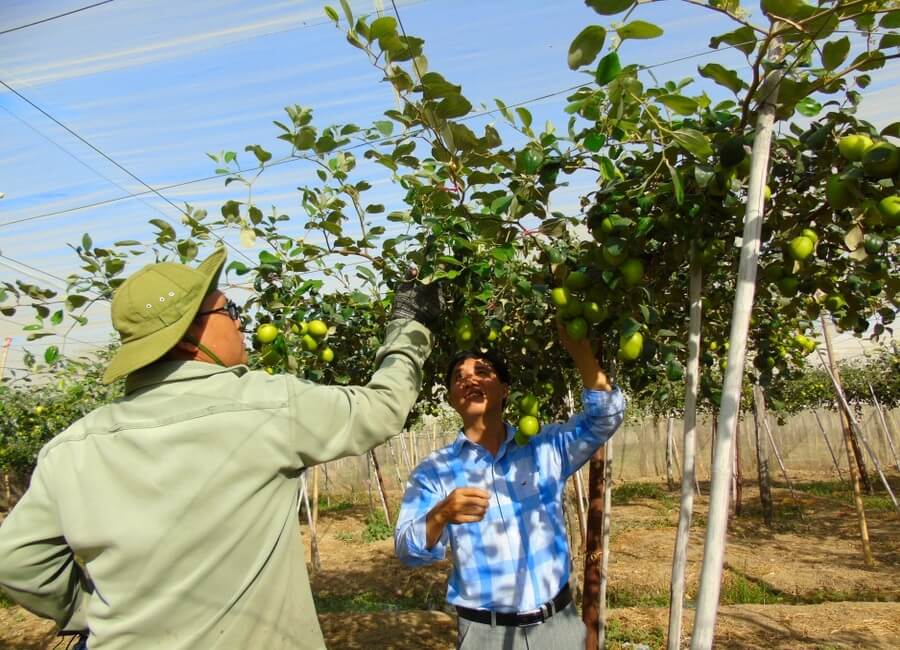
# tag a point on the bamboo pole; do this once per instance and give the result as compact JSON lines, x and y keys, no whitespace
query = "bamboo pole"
{"x":861,"y":435}
{"x":884,"y":427}
{"x":714,"y":549}
{"x":853,"y":469}
{"x":688,"y":474}
{"x":828,"y":443}
{"x":781,"y":465}
{"x":580,"y":508}
{"x":762,"y":455}
{"x":396,"y":462}
{"x":381,"y":491}
{"x":670,"y":477}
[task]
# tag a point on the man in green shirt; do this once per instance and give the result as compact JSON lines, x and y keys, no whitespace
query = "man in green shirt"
{"x":180,"y":499}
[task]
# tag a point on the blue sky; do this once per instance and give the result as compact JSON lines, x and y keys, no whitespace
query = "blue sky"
{"x":157,"y":84}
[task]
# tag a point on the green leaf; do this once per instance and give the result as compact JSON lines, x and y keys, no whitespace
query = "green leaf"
{"x":608,"y":69}
{"x":722,"y":76}
{"x":166,"y":231}
{"x":261,"y":154}
{"x":525,"y":116}
{"x":57,"y":317}
{"x":676,"y":184}
{"x":743,"y":39}
{"x":453,"y":106}
{"x":835,"y":52}
{"x":609,"y":7}
{"x":892,"y":130}
{"x":385,"y":127}
{"x":890,"y":20}
{"x":127,"y":242}
{"x":679,"y":103}
{"x":809,"y":107}
{"x":693,"y":141}
{"x":75,"y":301}
{"x":86,"y":242}
{"x":499,"y":205}
{"x":51,"y":354}
{"x":347,"y":11}
{"x":332,"y":13}
{"x":381,"y":27}
{"x":639,"y":29}
{"x":593,"y":142}
{"x":586,"y":46}
{"x":434,"y":86}
{"x":888,"y":41}
{"x":231,"y":210}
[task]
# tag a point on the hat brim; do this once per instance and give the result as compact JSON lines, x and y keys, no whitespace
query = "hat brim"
{"x":144,"y":351}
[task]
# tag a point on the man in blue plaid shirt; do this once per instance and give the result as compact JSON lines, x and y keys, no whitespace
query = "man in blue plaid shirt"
{"x":497,"y":506}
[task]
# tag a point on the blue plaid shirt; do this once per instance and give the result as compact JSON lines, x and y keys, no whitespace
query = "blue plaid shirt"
{"x":517,"y":556}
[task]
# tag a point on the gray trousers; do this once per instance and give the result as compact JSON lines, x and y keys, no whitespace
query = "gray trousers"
{"x":564,"y":631}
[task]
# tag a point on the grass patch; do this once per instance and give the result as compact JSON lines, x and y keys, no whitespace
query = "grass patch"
{"x":624,"y":597}
{"x":738,"y":590}
{"x":617,"y":636}
{"x":345,"y":537}
{"x":5,"y":601}
{"x":630,"y":492}
{"x":325,"y":505}
{"x":878,"y":503}
{"x":369,"y":601}
{"x":377,"y":528}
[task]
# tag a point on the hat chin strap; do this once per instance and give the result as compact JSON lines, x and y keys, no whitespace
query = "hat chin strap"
{"x":205,"y":350}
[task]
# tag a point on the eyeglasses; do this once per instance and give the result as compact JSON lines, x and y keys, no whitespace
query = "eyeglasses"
{"x":232,"y":309}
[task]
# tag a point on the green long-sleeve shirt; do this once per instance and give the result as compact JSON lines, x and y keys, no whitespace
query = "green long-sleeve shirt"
{"x":181,"y":499}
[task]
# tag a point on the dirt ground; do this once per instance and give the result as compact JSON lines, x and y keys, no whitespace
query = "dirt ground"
{"x":800,"y":584}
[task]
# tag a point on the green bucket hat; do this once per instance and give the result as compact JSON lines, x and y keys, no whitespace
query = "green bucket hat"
{"x":154,"y":308}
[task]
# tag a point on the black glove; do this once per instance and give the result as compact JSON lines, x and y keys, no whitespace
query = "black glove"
{"x":421,"y":302}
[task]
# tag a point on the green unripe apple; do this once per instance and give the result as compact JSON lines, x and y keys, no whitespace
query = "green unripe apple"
{"x":852,"y":147}
{"x":614,"y":251}
{"x":873,"y":243}
{"x":577,"y":280}
{"x":788,"y":286}
{"x":881,"y":160}
{"x":835,"y":302}
{"x":577,"y":328}
{"x":839,"y":192}
{"x":529,"y":425}
{"x":560,"y":296}
{"x":593,"y":312}
{"x":266,"y":333}
{"x":632,"y":271}
{"x":631,"y":346}
{"x":889,"y":207}
{"x":318,"y":328}
{"x":309,"y":343}
{"x":529,"y":405}
{"x":801,"y":247}
{"x":809,"y":232}
{"x":326,"y":355}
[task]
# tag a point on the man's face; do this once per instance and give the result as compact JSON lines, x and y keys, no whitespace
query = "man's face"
{"x":219,"y":332}
{"x":475,"y":389}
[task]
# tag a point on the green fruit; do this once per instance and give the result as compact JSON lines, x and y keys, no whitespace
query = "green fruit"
{"x":521,"y":439}
{"x":852,"y":147}
{"x":632,"y":271}
{"x":835,"y":302}
{"x":529,"y":405}
{"x":529,"y":160}
{"x":614,"y":251}
{"x":326,"y":355}
{"x":593,"y":312}
{"x":577,"y":329}
{"x":607,"y":227}
{"x":732,"y":153}
{"x":801,"y":247}
{"x":529,"y":425}
{"x":318,"y":328}
{"x":266,"y":333}
{"x":560,"y":296}
{"x":881,"y":160}
{"x":809,"y":232}
{"x":767,"y":193}
{"x":493,"y":335}
{"x":889,"y":207}
{"x":577,"y":280}
{"x":573,"y":309}
{"x":839,"y":192}
{"x":309,"y":343}
{"x":788,"y":286}
{"x":873,"y":243}
{"x":631,"y":346}
{"x":805,"y":343}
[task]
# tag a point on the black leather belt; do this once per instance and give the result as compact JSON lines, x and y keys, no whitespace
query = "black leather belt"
{"x":520,"y":619}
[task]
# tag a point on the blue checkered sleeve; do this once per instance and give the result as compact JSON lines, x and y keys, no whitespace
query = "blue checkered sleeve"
{"x":421,"y":495}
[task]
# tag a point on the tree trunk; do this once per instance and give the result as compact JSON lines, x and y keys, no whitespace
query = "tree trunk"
{"x":688,"y":475}
{"x":852,"y":467}
{"x":604,"y":565}
{"x":593,"y":553}
{"x":762,"y":456}
{"x":714,"y":549}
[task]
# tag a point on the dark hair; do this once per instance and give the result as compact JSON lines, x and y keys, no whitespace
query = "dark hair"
{"x":495,"y":361}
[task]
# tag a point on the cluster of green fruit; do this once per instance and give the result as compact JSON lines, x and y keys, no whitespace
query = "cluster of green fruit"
{"x":870,"y":160}
{"x":528,"y":425}
{"x":467,"y":334}
{"x":311,"y":338}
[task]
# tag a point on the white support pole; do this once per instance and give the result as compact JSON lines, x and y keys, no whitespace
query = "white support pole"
{"x":716,"y":530}
{"x":828,"y":443}
{"x":884,"y":427}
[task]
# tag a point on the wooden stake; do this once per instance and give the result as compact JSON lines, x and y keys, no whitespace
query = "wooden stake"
{"x":853,"y":469}
{"x":781,"y":465}
{"x":593,"y":557}
{"x":381,"y":491}
{"x":884,"y":427}
{"x":828,"y":443}
{"x":688,"y":474}
{"x":604,"y":564}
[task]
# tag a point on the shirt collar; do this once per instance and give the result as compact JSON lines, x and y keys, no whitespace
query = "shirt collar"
{"x":164,"y":372}
{"x":461,"y":440}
